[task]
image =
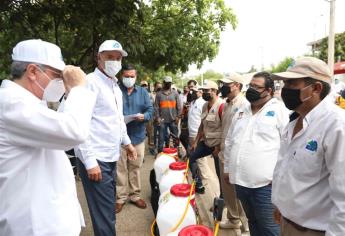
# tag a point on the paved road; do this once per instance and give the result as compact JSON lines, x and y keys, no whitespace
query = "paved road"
{"x":132,"y":221}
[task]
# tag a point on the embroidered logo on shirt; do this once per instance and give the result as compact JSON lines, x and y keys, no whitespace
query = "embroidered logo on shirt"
{"x":240,"y":115}
{"x":270,"y":113}
{"x":311,"y":146}
{"x":236,"y":109}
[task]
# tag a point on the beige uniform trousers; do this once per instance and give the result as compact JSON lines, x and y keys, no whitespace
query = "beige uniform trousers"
{"x":235,"y":211}
{"x":149,"y":130}
{"x":287,"y":229}
{"x":128,"y":183}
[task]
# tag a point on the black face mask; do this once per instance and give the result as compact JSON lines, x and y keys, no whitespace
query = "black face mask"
{"x":206,"y":96}
{"x":191,"y":96}
{"x":292,"y":97}
{"x":167,"y":86}
{"x":225,"y":90}
{"x":252,"y":95}
{"x":158,"y":89}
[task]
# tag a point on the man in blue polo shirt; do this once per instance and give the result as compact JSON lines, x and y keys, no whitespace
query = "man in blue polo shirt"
{"x":137,"y":110}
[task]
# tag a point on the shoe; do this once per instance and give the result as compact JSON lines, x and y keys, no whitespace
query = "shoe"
{"x":228,"y":224}
{"x":200,"y":189}
{"x":118,"y":207}
{"x":140,"y":203}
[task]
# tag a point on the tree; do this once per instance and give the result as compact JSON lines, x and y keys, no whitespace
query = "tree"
{"x":208,"y":75}
{"x":339,"y":48}
{"x":158,"y":34}
{"x":283,"y":65}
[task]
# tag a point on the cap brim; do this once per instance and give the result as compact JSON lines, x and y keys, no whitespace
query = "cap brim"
{"x":287,"y":75}
{"x":227,"y":81}
{"x":123,"y":52}
{"x":60,"y":66}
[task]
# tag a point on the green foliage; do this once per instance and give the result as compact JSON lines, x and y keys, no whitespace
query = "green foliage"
{"x":339,"y":48}
{"x":208,"y":75}
{"x":159,"y":35}
{"x":282,"y":66}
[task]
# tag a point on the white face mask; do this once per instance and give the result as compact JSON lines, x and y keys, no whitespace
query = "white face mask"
{"x":54,"y":90}
{"x":111,"y":68}
{"x":128,"y":82}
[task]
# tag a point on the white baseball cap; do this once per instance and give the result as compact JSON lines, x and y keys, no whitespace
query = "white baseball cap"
{"x":112,"y":45}
{"x":167,"y":79}
{"x":233,"y":77}
{"x":39,"y":51}
{"x":210,"y":85}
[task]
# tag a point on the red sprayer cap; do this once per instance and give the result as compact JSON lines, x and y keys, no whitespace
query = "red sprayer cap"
{"x":181,"y":190}
{"x":169,"y":150}
{"x":178,"y":166}
{"x":195,"y":230}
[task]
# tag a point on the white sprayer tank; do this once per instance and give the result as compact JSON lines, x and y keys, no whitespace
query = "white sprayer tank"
{"x":163,"y":160}
{"x":174,"y":175}
{"x":171,"y":209}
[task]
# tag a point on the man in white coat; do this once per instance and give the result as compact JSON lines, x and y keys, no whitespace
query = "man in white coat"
{"x":37,"y":188}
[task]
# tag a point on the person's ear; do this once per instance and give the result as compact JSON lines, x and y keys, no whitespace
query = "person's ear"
{"x":317,"y":87}
{"x":31,"y":72}
{"x":270,"y":91}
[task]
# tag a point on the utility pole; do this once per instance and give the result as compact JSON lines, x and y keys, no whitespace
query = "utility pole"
{"x":331,"y":36}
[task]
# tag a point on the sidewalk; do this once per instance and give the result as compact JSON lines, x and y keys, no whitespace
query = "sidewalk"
{"x":205,"y":202}
{"x":132,"y":221}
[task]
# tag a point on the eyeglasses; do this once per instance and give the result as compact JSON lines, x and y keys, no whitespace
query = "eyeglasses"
{"x":56,"y":74}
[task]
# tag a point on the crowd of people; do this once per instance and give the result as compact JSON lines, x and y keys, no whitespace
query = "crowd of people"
{"x":279,"y":160}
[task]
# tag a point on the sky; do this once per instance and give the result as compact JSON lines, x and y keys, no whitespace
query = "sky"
{"x":270,"y":30}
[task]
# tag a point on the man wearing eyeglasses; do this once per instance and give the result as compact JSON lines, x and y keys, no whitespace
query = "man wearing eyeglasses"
{"x":251,"y":151}
{"x":37,"y":187}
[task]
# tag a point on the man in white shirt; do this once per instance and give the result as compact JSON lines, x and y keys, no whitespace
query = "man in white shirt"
{"x":231,"y":91}
{"x":194,"y":121}
{"x":308,"y":181}
{"x":37,"y":187}
{"x":194,"y":113}
{"x":98,"y":155}
{"x":251,"y":151}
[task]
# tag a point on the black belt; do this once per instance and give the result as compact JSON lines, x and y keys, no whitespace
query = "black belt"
{"x":302,"y":228}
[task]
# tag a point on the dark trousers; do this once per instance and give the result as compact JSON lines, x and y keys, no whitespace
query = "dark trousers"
{"x":258,"y":207}
{"x":163,"y":133}
{"x":200,"y":151}
{"x":155,"y":134}
{"x":100,"y":198}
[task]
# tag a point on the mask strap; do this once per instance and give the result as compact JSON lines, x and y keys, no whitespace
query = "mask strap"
{"x":36,"y":82}
{"x":307,"y":98}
